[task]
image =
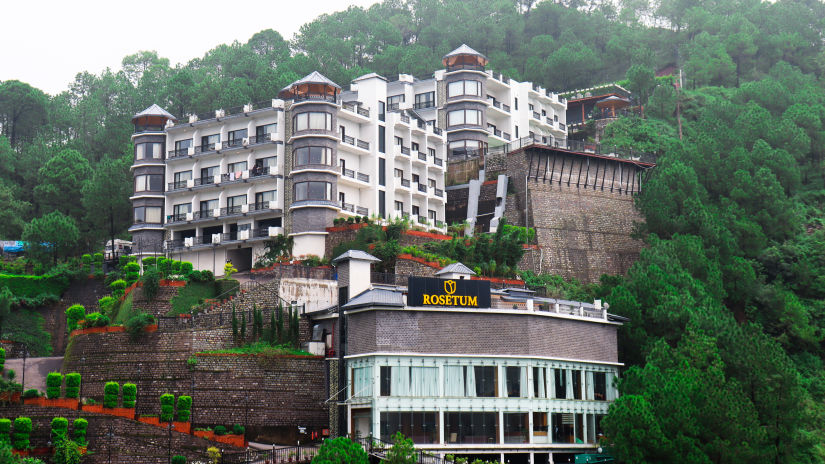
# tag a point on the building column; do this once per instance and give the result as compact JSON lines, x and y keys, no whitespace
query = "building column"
{"x":441,"y":426}
{"x":501,"y":429}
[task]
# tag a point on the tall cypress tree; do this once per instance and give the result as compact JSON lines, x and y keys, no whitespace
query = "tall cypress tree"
{"x":272,"y":335}
{"x":234,"y":323}
{"x":279,"y":328}
{"x":243,"y":326}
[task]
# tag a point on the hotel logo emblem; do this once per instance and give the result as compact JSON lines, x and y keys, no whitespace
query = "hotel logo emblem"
{"x":449,"y":287}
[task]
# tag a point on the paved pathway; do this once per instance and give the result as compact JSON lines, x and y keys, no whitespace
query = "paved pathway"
{"x":36,"y":370}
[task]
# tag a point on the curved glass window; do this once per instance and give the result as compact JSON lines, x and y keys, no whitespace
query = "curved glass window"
{"x":313,"y":155}
{"x":312,"y":120}
{"x":463,"y":117}
{"x":313,"y":191}
{"x":149,"y":183}
{"x":459,"y":88}
{"x":149,"y":150}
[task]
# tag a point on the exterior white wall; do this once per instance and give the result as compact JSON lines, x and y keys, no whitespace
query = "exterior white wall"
{"x":314,"y":294}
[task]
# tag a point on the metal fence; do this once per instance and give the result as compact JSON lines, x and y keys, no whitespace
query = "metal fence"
{"x":281,"y":455}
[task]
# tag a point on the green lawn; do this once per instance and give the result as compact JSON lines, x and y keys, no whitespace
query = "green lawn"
{"x":262,"y":348}
{"x":191,"y":295}
{"x":125,"y":310}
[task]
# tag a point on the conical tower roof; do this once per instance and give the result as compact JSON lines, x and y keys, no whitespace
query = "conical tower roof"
{"x":154,"y":111}
{"x":464,"y":49}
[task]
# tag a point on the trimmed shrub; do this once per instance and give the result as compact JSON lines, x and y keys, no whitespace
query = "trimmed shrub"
{"x":129,"y":395}
{"x":73,"y":385}
{"x":93,"y":320}
{"x":178,"y":459}
{"x":184,"y":408}
{"x":98,"y":258}
{"x":151,"y":283}
{"x":74,"y":314}
{"x":138,"y":322}
{"x":149,"y":261}
{"x":102,"y":321}
{"x":110,"y":393}
{"x":238,"y":429}
{"x":186,"y":267}
{"x":5,"y":431}
{"x":163,"y":265}
{"x":167,"y":407}
{"x":226,"y":287}
{"x":131,"y":267}
{"x":2,"y":358}
{"x":207,"y":276}
{"x":79,"y":427}
{"x":60,"y":429}
{"x":107,"y":305}
{"x":20,"y":437}
{"x":86,"y":259}
{"x":31,"y":393}
{"x":174,"y":266}
{"x":220,"y":430}
{"x":53,"y":382}
{"x":132,"y":277}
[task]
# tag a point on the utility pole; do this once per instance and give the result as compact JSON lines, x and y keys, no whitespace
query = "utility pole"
{"x":679,"y":103}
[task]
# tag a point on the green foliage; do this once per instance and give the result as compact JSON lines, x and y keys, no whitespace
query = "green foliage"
{"x":20,"y":436}
{"x":28,"y":326}
{"x":242,"y":333}
{"x":192,"y":295}
{"x":54,"y":234}
{"x":79,"y":427}
{"x":340,"y":450}
{"x":276,"y":250}
{"x":185,"y":267}
{"x":238,"y":429}
{"x":86,"y":259}
{"x":150,"y":283}
{"x":220,"y":430}
{"x":149,"y":261}
{"x":60,"y":429}
{"x":111,"y":391}
{"x":66,"y":452}
{"x":31,"y":393}
{"x":5,"y":430}
{"x":402,"y":451}
{"x":167,"y":407}
{"x":74,"y":314}
{"x":178,"y":459}
{"x":138,"y":322}
{"x":228,"y":270}
{"x":32,"y":286}
{"x":73,"y":385}
{"x":54,"y":380}
{"x":184,"y":408}
{"x":129,"y":395}
{"x":224,"y":288}
{"x":2,"y":358}
{"x":235,"y":333}
{"x":263,"y":349}
{"x":108,"y":305}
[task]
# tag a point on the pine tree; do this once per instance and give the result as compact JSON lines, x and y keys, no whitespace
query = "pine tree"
{"x":279,"y":328}
{"x":272,"y":330}
{"x":234,"y":323}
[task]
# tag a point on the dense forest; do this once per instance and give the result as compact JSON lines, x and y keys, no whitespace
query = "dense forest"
{"x":725,"y":345}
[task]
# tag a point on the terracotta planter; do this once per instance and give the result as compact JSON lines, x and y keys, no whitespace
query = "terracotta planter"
{"x":231,"y":440}
{"x":67,"y":403}
{"x":98,"y":408}
{"x":183,"y":427}
{"x":207,"y":434}
{"x":34,"y":401}
{"x":20,"y":452}
{"x":151,"y":328}
{"x":126,"y":413}
{"x":10,"y":396}
{"x":150,"y":420}
{"x":42,"y":451}
{"x":172,"y":283}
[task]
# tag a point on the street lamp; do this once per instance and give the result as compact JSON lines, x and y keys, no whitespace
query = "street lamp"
{"x":82,"y":364}
{"x":171,"y":426}
{"x":23,"y":381}
{"x":110,"y":437}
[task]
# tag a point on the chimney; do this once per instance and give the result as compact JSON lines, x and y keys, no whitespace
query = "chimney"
{"x":354,"y":271}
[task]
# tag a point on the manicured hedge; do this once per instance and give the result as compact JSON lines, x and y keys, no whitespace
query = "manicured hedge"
{"x":96,"y":320}
{"x":31,"y":393}
{"x":186,"y":267}
{"x":178,"y":459}
{"x":86,"y":259}
{"x":131,"y":267}
{"x":30,"y":286}
{"x":110,"y":393}
{"x":167,"y":407}
{"x":220,"y":430}
{"x":53,"y":383}
{"x":98,"y":258}
{"x":20,"y":437}
{"x":74,"y":313}
{"x":73,"y":385}
{"x":238,"y":429}
{"x":60,"y":429}
{"x":5,"y":431}
{"x":149,"y":261}
{"x":129,"y":395}
{"x":184,"y":408}
{"x":2,"y":358}
{"x":79,"y":426}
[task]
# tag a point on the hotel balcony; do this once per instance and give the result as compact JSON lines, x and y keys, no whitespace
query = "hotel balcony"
{"x":214,"y":148}
{"x":223,"y":179}
{"x":354,"y":145}
{"x":355,"y":178}
{"x":354,"y":210}
{"x":250,"y":209}
{"x":248,"y":235}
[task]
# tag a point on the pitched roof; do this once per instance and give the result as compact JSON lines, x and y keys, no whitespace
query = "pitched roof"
{"x":456,"y":268}
{"x":356,"y":254}
{"x":369,"y":76}
{"x":377,"y":297}
{"x":155,"y":110}
{"x":464,"y":49}
{"x":314,"y":78}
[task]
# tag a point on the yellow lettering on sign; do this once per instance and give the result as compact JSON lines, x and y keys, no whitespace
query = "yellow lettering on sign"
{"x":473,"y":301}
{"x":426,"y":299}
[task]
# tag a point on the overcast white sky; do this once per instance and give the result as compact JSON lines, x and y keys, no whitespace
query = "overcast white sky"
{"x":45,"y":43}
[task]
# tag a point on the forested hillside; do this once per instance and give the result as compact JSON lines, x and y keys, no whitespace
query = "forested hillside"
{"x":725,"y":344}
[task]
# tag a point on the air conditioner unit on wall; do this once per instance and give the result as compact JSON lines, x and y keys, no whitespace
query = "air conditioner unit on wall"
{"x":189,"y":241}
{"x":245,"y":208}
{"x":220,"y":113}
{"x":216,"y":238}
{"x":243,"y":234}
{"x":190,"y":183}
{"x":276,"y":231}
{"x":190,"y":216}
{"x":245,"y":141}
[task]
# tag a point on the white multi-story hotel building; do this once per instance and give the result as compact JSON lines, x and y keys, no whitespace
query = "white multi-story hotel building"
{"x":212,"y":188}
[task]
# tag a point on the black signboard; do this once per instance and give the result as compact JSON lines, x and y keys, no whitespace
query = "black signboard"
{"x":462,"y":293}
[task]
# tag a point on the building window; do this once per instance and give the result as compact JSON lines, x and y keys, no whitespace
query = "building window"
{"x":382,"y":139}
{"x":540,"y":427}
{"x":556,"y":117}
{"x":465,"y":147}
{"x":208,"y":174}
{"x":568,"y":428}
{"x":208,"y":141}
{"x":577,"y":384}
{"x":399,"y":141}
{"x":180,"y":211}
{"x":463,"y":117}
{"x":382,"y":171}
{"x":362,"y":382}
{"x":148,"y":215}
{"x":399,"y":206}
{"x":424,"y":100}
{"x":313,"y":155}
{"x":382,"y":204}
{"x":415,"y":210}
{"x":233,"y":204}
{"x":599,"y":386}
{"x":394,"y":101}
{"x":432,"y":217}
{"x":420,"y":427}
{"x":270,"y":162}
{"x":539,"y":382}
{"x":314,"y":120}
{"x":149,"y":183}
{"x":237,"y":167}
{"x":182,"y":146}
{"x":461,"y":88}
{"x":516,"y":378}
{"x":431,"y":183}
{"x":382,"y":111}
{"x":148,"y":151}
{"x":470,"y":381}
{"x":516,"y":426}
{"x":398,"y":173}
{"x":180,"y":179}
{"x":313,"y":191}
{"x":386,"y":374}
{"x":561,"y":383}
{"x":431,"y":152}
{"x":207,"y":206}
{"x":471,"y":427}
{"x":414,"y":146}
{"x":265,"y":130}
{"x":263,"y":199}
{"x":237,"y":136}
{"x":516,"y":103}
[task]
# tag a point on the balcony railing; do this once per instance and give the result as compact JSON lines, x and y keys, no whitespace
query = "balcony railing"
{"x":362,"y":144}
{"x":437,"y":130}
{"x":179,"y":217}
{"x":208,"y":180}
{"x":536,"y":115}
{"x":405,"y":150}
{"x":506,"y":108}
{"x":422,"y":188}
{"x":361,"y":211}
{"x":178,"y":153}
{"x":469,"y":67}
{"x":562,"y":126}
{"x":181,"y":184}
{"x":405,"y":118}
{"x":439,"y":193}
{"x":549,"y":120}
{"x":494,"y":102}
{"x":505,"y":136}
{"x":319,"y":97}
{"x":356,"y":109}
{"x":233,"y":143}
{"x":362,"y":177}
{"x":209,"y":147}
{"x":263,"y":138}
{"x":260,"y":206}
{"x":422,"y":156}
{"x":424,"y":104}
{"x":348,"y":207}
{"x":232,"y":210}
{"x":348,"y":172}
{"x":405,"y":183}
{"x":438,"y":161}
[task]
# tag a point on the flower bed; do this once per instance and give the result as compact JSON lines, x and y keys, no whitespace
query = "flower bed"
{"x":22,"y":453}
{"x":98,"y":408}
{"x":172,"y":283}
{"x":421,"y":233}
{"x":500,"y":280}
{"x":150,"y":420}
{"x":423,"y":261}
{"x":341,"y":228}
{"x":231,"y":440}
{"x":97,"y":330}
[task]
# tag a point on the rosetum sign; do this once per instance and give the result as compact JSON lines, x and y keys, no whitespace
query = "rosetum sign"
{"x":427,"y":291}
